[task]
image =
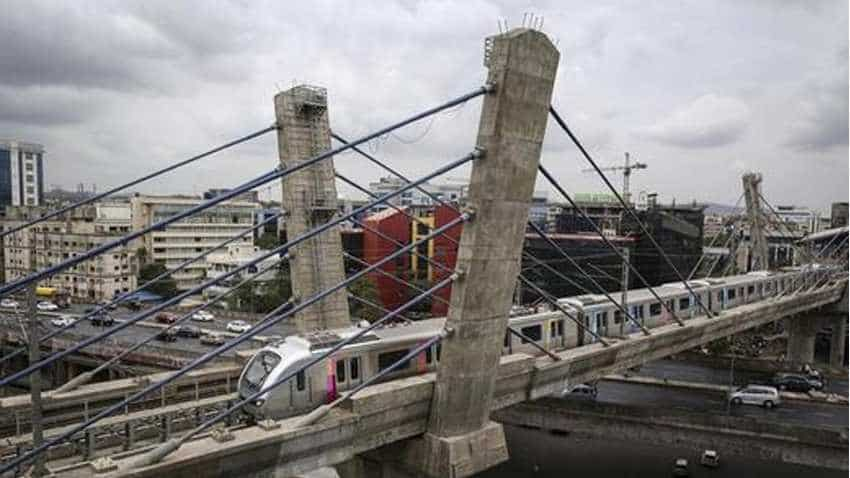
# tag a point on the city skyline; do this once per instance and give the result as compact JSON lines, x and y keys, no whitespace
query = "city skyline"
{"x":702,"y":93}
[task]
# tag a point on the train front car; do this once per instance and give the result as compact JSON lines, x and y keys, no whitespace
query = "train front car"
{"x":267,"y":366}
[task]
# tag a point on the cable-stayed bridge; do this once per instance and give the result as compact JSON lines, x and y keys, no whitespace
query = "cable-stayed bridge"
{"x":473,"y":362}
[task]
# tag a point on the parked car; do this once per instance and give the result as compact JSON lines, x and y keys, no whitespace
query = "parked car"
{"x":680,"y":467}
{"x":64,"y":321}
{"x":581,"y":391}
{"x":710,"y":459}
{"x":202,"y":316}
{"x":796,"y":383}
{"x":187,"y":331}
{"x":102,"y":319}
{"x":107,"y":305}
{"x":212,"y":338}
{"x":9,"y":304}
{"x":133,"y":304}
{"x":762,"y":395}
{"x":46,"y":306}
{"x":238,"y":326}
{"x":166,"y":318}
{"x":167,"y":335}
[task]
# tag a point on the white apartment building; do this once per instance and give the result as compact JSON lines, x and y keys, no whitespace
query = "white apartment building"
{"x":101,"y":278}
{"x":21,"y":173}
{"x":415,"y":197}
{"x":191,"y":236}
{"x":233,"y":257}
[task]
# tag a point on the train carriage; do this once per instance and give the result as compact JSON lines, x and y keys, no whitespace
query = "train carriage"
{"x":382,"y":347}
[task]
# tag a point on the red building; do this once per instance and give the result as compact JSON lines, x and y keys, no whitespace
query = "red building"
{"x":396,"y":225}
{"x":445,"y":253}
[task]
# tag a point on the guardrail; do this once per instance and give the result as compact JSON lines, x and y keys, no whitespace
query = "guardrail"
{"x":69,"y":407}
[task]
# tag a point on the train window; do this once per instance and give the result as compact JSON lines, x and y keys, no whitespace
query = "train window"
{"x":533,"y":332}
{"x":439,"y":348}
{"x":387,"y":359}
{"x":300,"y":381}
{"x":429,"y":356}
{"x":719,"y":296}
{"x":684,"y":303}
{"x":561,"y":328}
{"x":751,"y":289}
{"x":355,"y":368}
{"x":340,"y":370}
{"x":639,"y":311}
{"x":730,"y":293}
{"x":553,"y":330}
{"x":654,"y":309}
{"x":618,"y":316}
{"x":507,"y":339}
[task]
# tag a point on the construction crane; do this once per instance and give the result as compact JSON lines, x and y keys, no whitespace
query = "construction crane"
{"x":627,"y":172}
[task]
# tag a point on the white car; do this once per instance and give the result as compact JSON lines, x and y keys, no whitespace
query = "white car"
{"x":202,"y":316}
{"x":46,"y":306}
{"x":238,"y":326}
{"x":63,"y":322}
{"x":764,"y":396}
{"x":9,"y":304}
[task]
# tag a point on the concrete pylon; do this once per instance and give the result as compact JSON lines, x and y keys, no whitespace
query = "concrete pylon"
{"x":310,"y":199}
{"x":461,"y":440}
{"x":758,"y":240}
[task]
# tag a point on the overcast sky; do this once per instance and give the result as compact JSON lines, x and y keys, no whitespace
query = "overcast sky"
{"x":701,"y":91}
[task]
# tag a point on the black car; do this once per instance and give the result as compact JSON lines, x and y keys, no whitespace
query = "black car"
{"x":102,"y":320}
{"x":187,"y":331}
{"x":168,"y":335}
{"x":795,"y":383}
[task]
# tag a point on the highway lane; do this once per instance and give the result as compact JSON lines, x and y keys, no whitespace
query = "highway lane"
{"x":690,"y":372}
{"x":140,"y":331}
{"x":698,"y":401}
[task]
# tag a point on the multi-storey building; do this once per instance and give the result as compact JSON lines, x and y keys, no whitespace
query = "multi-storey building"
{"x":57,"y":240}
{"x":189,"y":237}
{"x":21,"y":174}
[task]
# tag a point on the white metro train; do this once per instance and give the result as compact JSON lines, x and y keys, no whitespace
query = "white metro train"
{"x":383,"y":346}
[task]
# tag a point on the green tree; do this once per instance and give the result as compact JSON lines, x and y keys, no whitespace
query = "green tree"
{"x":165,"y":287}
{"x":365,"y":289}
{"x":262,"y":298}
{"x":269,"y":240}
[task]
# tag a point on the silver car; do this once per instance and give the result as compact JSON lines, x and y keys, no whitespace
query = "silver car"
{"x":764,"y":396}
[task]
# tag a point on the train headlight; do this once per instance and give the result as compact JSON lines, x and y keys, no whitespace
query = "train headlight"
{"x":260,"y":402}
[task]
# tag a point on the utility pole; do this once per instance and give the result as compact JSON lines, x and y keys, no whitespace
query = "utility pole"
{"x":624,"y":301}
{"x":38,"y":469}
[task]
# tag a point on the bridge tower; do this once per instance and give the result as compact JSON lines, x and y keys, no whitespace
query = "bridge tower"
{"x":310,"y":199}
{"x":758,"y":240}
{"x":461,"y":440}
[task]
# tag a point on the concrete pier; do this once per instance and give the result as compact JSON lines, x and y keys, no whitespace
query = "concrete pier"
{"x":310,"y":199}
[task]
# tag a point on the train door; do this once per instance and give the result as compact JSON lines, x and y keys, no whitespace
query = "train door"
{"x":300,"y":388}
{"x":347,"y":375}
{"x":602,"y":323}
{"x":556,"y":334}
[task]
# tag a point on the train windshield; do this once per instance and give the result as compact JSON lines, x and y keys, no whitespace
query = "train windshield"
{"x":260,"y":367}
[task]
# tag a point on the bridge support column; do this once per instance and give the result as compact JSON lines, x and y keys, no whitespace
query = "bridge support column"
{"x":801,"y":338}
{"x":310,"y":199}
{"x":461,"y":440}
{"x":838,"y":342}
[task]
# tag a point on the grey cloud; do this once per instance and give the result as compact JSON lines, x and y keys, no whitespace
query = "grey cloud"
{"x":47,"y":106}
{"x":710,"y":121}
{"x":819,"y":119}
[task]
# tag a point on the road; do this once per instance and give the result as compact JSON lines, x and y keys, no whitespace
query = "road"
{"x":698,"y":401}
{"x":678,"y":370}
{"x":139,"y":331}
